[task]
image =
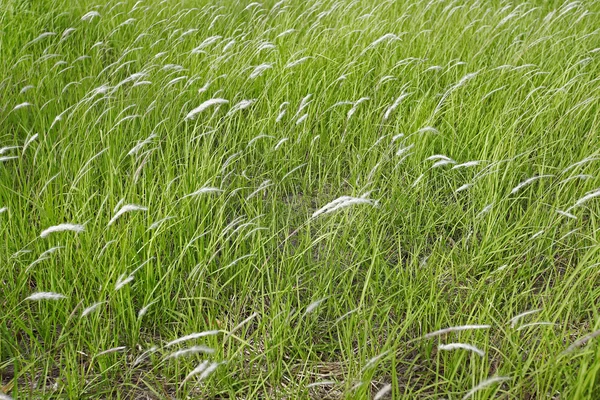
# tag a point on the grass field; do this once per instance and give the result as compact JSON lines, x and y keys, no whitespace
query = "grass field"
{"x":299,"y":199}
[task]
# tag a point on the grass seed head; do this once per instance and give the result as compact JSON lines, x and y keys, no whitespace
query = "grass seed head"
{"x":46,"y":296}
{"x":62,"y":228}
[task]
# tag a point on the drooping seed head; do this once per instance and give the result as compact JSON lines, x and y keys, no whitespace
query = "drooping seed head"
{"x":62,"y":228}
{"x":46,"y":296}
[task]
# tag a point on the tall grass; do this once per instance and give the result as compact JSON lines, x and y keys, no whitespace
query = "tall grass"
{"x":299,"y":199}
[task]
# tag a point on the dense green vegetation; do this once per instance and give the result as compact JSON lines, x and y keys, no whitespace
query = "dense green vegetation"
{"x":313,"y":188}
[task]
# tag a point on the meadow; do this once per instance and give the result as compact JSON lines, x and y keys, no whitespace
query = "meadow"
{"x":321,"y":199}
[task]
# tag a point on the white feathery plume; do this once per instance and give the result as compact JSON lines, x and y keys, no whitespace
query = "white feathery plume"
{"x":90,"y":15}
{"x":281,"y":142}
{"x":125,"y":209}
{"x":106,"y":246}
{"x":265,"y":184}
{"x":285,"y":33}
{"x":140,"y":83}
{"x":467,"y":164}
{"x":500,"y":268}
{"x":302,"y":119}
{"x":205,"y":87}
{"x":42,"y":36}
{"x":346,"y":314}
{"x":238,"y":326}
{"x":202,"y":107}
{"x":242,"y":105}
{"x":28,"y":142}
{"x":261,"y":136}
{"x":566,"y":214}
{"x":342,"y":202}
{"x":292,"y":171}
{"x":26,"y":89}
{"x":484,"y":384}
{"x":22,"y":105}
{"x":313,"y":306}
{"x":200,"y":368}
{"x":207,"y":42}
{"x":203,"y":190}
{"x":402,"y":150}
{"x":266,"y":46}
{"x":537,"y":234}
{"x":112,"y":350}
{"x":191,"y":337}
{"x":144,"y":355}
{"x":123,"y":280}
{"x":383,"y":391}
{"x":127,"y":22}
{"x":356,"y":104}
{"x":442,"y":163}
{"x":438,"y":157}
{"x":320,"y":383}
{"x":190,"y":351}
{"x":8,"y":158}
{"x":452,"y":88}
{"x":386,"y":78}
{"x":428,"y":129}
{"x":46,"y":296}
{"x":373,"y":360}
{"x":455,"y":329}
{"x":259,"y":69}
{"x":525,"y":326}
{"x":582,"y":341}
{"x":299,"y":61}
{"x":209,"y":370}
{"x":97,"y":44}
{"x":528,"y":182}
{"x":230,"y":160}
{"x":67,"y":32}
{"x":463,"y":187}
{"x":228,"y":45}
{"x":119,"y":204}
{"x":145,"y":309}
{"x":204,"y":368}
{"x":3,"y":209}
{"x":485,"y":210}
{"x":7,"y":148}
{"x":416,"y":182}
{"x":395,"y":105}
{"x":35,"y":262}
{"x":578,"y":163}
{"x":172,"y":67}
{"x":386,"y":37}
{"x":159,"y":222}
{"x":454,"y":346}
{"x":341,"y":103}
{"x":131,"y":78}
{"x":140,"y":144}
{"x":62,"y":228}
{"x":282,"y":111}
{"x":303,"y":103}
{"x":568,"y":234}
{"x":91,"y":308}
{"x":5,"y":397}
{"x":585,"y":198}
